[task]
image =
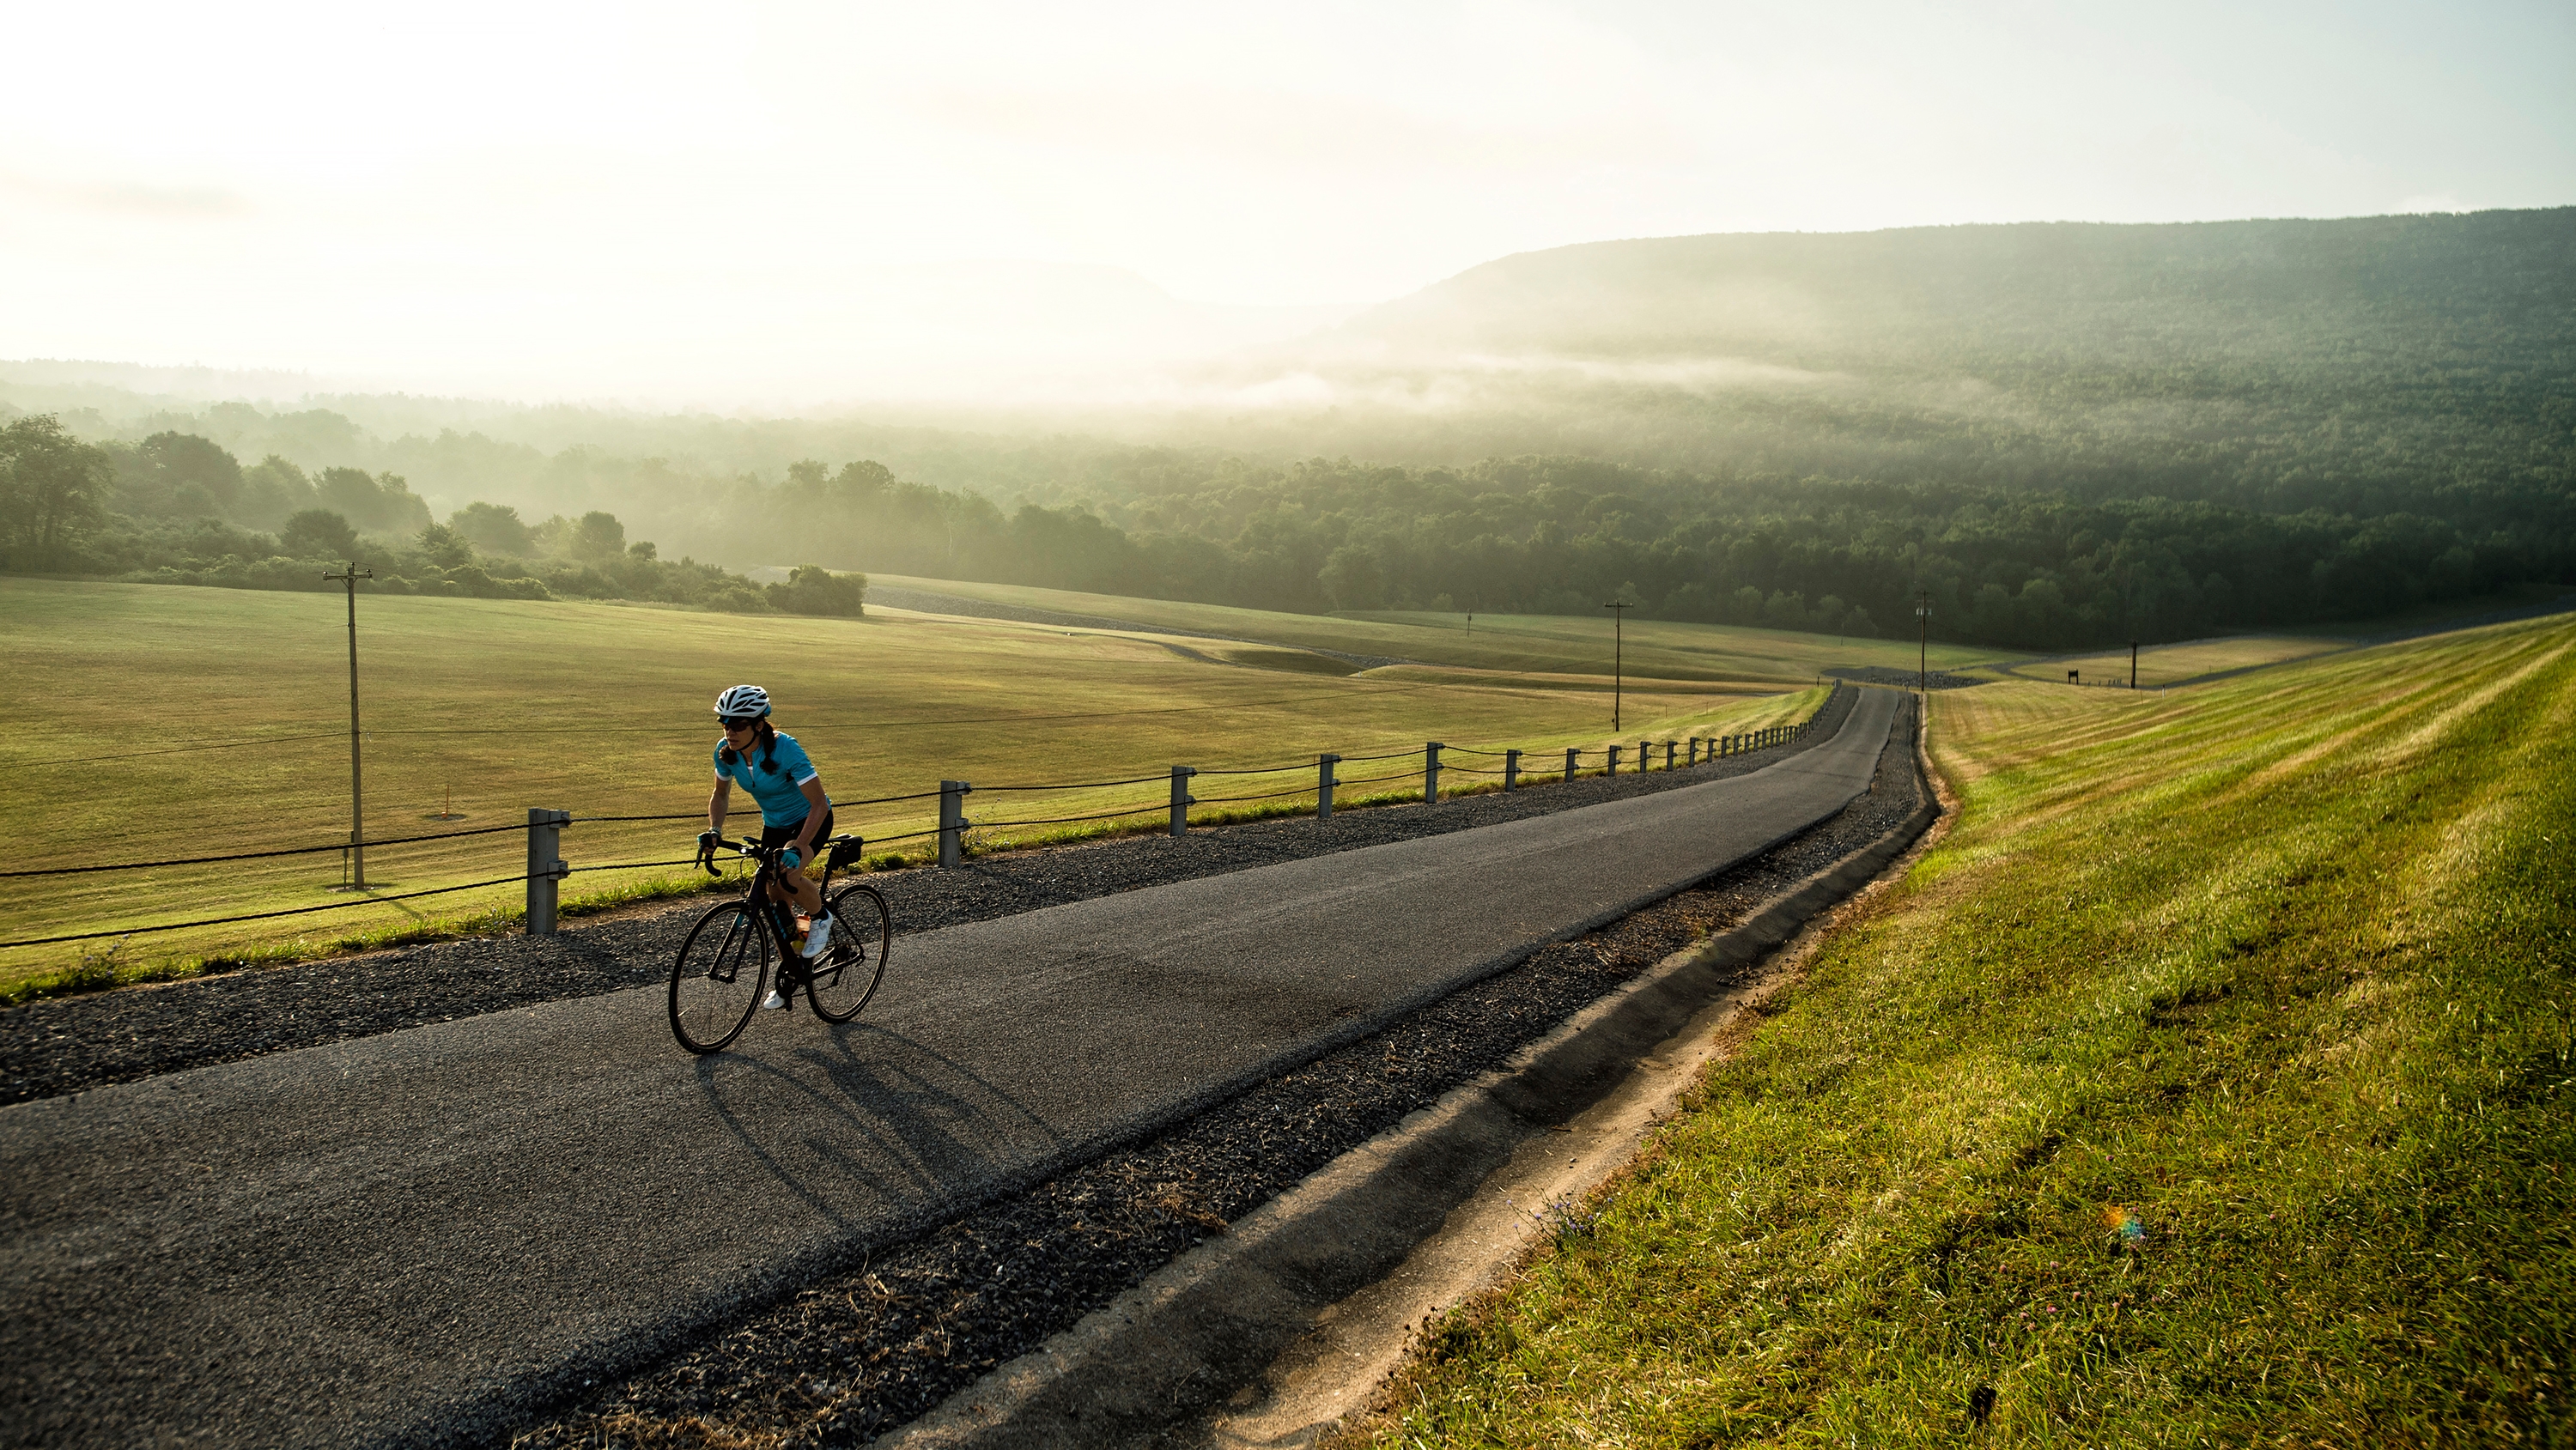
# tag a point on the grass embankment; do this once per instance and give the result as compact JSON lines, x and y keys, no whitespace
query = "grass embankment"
{"x":2208,"y":1084}
{"x":2172,"y":664}
{"x":179,"y":722}
{"x":1543,"y":644}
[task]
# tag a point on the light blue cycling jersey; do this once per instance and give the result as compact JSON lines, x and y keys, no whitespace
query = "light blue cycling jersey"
{"x":774,"y":786}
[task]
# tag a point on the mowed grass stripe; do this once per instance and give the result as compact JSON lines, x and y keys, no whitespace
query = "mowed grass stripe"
{"x":2210,"y":1083}
{"x":496,"y":706}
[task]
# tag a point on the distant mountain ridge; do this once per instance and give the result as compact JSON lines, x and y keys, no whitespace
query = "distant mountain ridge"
{"x":2066,"y":288}
{"x":2364,"y":365}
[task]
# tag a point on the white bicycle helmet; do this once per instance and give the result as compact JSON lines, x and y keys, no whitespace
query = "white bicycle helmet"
{"x":743,"y":702}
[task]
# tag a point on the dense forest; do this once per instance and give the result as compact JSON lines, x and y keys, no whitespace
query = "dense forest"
{"x":1564,"y":535}
{"x":1536,"y":535}
{"x":2065,"y":434}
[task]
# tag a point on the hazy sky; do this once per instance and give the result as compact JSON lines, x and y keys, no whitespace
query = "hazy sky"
{"x":735,"y":202}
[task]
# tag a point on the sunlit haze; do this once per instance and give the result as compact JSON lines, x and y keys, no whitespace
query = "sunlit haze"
{"x":793,"y":205}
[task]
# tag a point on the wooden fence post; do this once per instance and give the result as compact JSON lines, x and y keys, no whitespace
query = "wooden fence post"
{"x":952,"y":821}
{"x":545,"y":866}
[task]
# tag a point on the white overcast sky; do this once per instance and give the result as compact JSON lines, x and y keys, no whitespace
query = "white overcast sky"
{"x":730,"y":202}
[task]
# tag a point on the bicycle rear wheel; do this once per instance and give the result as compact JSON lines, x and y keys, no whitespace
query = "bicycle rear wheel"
{"x":716,"y":980}
{"x":846,"y":975}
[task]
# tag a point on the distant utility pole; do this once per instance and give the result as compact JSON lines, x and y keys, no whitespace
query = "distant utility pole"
{"x":1923,"y":646}
{"x":357,"y":810}
{"x":2133,"y":664}
{"x":1618,"y":656}
{"x":1471,"y":624}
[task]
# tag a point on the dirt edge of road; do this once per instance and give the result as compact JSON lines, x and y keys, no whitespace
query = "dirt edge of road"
{"x":1274,"y":1333}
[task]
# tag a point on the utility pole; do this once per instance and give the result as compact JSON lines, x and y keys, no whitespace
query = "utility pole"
{"x":1923,"y":646}
{"x":2133,"y":664}
{"x":357,"y":809}
{"x":1618,"y":652}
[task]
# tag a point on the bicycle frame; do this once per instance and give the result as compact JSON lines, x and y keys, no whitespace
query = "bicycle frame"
{"x":707,"y":1024}
{"x":791,"y":963}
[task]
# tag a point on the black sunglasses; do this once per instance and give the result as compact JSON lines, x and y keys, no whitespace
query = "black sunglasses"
{"x":745,"y":723}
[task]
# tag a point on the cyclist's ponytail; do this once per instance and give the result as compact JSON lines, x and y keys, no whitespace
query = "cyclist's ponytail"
{"x":768,"y":744}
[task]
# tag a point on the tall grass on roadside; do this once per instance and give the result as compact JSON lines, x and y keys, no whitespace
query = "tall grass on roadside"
{"x":2209,"y":1084}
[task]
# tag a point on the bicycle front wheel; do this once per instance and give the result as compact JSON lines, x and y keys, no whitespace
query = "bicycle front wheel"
{"x":850,"y":968}
{"x":716,"y":981}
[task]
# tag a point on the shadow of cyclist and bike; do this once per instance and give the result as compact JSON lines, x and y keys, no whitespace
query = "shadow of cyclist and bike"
{"x":872,"y":1110}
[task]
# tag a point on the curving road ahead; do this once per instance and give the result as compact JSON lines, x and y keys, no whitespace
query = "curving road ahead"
{"x":388,"y":1240}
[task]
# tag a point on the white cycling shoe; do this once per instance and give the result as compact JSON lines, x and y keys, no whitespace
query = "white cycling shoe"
{"x":818,"y":939}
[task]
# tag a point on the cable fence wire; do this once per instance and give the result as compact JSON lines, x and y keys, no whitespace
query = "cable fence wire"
{"x":700,"y":815}
{"x":1064,"y":820}
{"x":1224,"y":800}
{"x":263,"y":855}
{"x":633,"y":865}
{"x":261,"y":915}
{"x":1265,"y":769}
{"x":1079,"y":784}
{"x":1377,"y":779}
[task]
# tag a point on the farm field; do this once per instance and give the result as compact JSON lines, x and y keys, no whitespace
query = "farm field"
{"x":2208,"y":1084}
{"x":2160,"y":665}
{"x":1535,"y":643}
{"x":192,"y":722}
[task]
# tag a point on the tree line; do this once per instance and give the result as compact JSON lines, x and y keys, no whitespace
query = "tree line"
{"x":179,"y":509}
{"x":2014,"y":565}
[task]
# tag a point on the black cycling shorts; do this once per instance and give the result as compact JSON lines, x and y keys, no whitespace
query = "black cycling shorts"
{"x":786,"y":836}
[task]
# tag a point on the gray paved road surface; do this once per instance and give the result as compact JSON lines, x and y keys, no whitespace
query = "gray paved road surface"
{"x":367,"y":1242}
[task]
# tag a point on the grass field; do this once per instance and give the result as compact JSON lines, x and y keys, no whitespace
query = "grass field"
{"x":179,"y":722}
{"x":1543,"y":644}
{"x":2210,"y":1083}
{"x":2172,"y":664}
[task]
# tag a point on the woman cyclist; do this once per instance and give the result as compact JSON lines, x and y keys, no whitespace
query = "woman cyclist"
{"x":794,"y":811}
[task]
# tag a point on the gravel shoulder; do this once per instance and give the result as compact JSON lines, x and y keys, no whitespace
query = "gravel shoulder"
{"x":70,"y":1044}
{"x":850,"y":1357}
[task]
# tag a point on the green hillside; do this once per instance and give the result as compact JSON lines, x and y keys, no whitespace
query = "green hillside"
{"x":2208,"y":1085}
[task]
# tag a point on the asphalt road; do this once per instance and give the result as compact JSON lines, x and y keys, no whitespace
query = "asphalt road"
{"x":392,"y":1239}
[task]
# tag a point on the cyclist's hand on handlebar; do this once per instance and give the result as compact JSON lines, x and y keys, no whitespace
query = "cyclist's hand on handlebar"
{"x":790,"y":859}
{"x":707,"y":851}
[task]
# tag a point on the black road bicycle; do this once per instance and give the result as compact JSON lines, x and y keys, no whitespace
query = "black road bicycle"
{"x":719,"y":978}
